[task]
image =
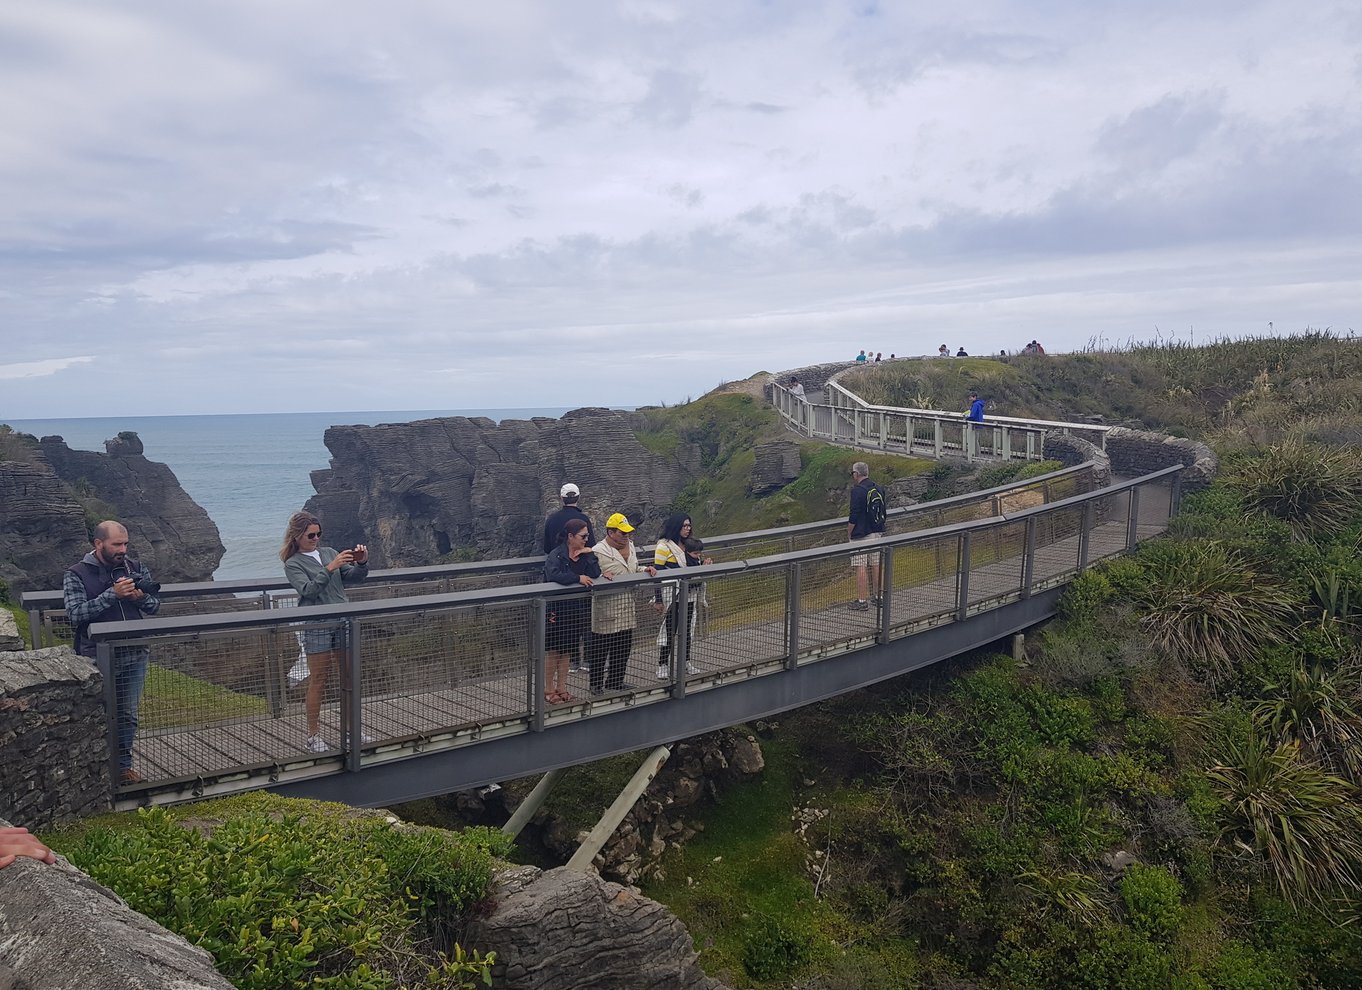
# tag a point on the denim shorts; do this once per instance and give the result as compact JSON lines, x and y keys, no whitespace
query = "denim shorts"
{"x":323,"y":639}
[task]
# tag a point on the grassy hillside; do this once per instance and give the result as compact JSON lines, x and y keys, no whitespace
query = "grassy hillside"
{"x":1167,"y":792}
{"x":1312,"y":381}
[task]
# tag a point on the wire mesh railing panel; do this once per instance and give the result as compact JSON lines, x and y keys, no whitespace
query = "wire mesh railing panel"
{"x":828,"y":599}
{"x":896,"y":432}
{"x":996,"y":557}
{"x":742,"y":619}
{"x":220,"y":701}
{"x":1056,"y":544}
{"x":1156,"y":507}
{"x":924,"y":577}
{"x":1111,"y":516}
{"x":438,"y":670}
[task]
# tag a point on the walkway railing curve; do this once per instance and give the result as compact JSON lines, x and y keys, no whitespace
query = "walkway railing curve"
{"x":48,"y":625}
{"x":440,"y":675}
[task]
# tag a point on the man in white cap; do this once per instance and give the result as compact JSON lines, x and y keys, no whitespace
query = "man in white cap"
{"x":553,"y":525}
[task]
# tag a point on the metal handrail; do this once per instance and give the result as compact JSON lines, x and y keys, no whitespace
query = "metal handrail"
{"x":36,"y":601}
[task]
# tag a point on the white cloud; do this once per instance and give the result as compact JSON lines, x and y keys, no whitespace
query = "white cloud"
{"x":41,"y":369}
{"x":240,"y":194}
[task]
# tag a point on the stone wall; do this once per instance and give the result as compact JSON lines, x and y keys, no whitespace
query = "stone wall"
{"x":1072,"y":451}
{"x":54,"y":758}
{"x":1137,"y":452}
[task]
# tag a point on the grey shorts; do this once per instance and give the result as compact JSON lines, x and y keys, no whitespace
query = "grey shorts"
{"x":323,"y":640}
{"x":862,"y":559}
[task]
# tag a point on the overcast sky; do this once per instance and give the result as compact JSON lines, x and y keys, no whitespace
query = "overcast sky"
{"x":262,"y":206}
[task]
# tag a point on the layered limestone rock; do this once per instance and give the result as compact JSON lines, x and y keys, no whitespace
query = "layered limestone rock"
{"x":49,"y":498}
{"x":417,"y":492}
{"x":59,"y":930}
{"x":560,"y":929}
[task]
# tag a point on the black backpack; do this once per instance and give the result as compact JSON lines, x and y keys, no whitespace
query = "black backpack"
{"x":876,"y":512}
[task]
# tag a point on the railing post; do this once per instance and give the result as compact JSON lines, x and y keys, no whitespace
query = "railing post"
{"x":792,"y":613}
{"x":856,"y":427}
{"x":1029,"y":557}
{"x":962,"y":582}
{"x":1084,"y":532}
{"x":681,"y":644}
{"x":1133,"y":519}
{"x":535,"y":701}
{"x":104,"y":660}
{"x":884,"y":434}
{"x":886,"y":592}
{"x":353,"y":689}
{"x":1007,"y":443}
{"x":1175,"y":495}
{"x":35,"y":628}
{"x":936,"y":438}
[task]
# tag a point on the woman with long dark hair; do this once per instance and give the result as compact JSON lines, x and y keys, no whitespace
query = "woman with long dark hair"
{"x":670,"y":554}
{"x":319,"y":575}
{"x":572,"y":562}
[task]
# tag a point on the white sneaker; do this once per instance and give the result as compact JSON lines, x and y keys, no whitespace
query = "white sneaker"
{"x":691,"y":668}
{"x":365,"y":739}
{"x":664,"y":672}
{"x":315,"y":744}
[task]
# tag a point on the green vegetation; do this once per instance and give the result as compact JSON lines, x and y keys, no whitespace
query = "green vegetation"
{"x":1165,"y":793}
{"x":299,"y":893}
{"x":170,"y":698}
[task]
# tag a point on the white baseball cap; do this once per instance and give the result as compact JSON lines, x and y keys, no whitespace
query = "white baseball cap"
{"x":568,"y":490}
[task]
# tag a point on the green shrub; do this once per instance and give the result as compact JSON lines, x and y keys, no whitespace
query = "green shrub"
{"x":772,"y":950}
{"x":1153,"y":900}
{"x":1086,"y":597}
{"x":1313,"y":488}
{"x":1208,"y":606}
{"x":1242,"y":967}
{"x":292,"y":900}
{"x":1322,"y":711}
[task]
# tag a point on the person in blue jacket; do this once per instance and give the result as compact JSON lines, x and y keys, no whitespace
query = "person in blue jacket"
{"x":572,"y":562}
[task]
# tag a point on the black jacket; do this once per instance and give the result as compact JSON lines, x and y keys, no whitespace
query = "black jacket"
{"x":553,"y":526}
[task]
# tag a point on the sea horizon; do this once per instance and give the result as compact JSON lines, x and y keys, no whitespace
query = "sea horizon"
{"x":243,"y":468}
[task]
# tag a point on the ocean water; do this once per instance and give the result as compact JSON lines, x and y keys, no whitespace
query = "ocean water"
{"x":249,"y":472}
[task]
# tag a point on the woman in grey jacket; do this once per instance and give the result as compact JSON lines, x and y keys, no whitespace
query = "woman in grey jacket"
{"x":319,"y":575}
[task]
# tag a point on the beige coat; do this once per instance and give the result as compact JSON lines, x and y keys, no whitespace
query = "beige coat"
{"x":614,"y":611}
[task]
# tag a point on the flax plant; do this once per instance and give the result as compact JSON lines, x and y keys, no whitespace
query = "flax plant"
{"x":1321,"y":710}
{"x":1313,"y":488}
{"x":1206,"y":605}
{"x":1302,"y":824}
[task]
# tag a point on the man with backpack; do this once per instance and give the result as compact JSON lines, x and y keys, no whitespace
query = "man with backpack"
{"x":869,"y":513}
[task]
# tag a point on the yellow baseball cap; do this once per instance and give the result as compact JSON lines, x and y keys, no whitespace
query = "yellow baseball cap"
{"x":620,"y":522}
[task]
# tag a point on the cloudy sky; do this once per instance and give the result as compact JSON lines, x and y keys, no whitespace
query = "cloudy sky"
{"x":263,"y":206}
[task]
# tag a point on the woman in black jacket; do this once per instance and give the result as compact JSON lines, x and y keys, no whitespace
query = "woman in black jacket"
{"x":572,"y":562}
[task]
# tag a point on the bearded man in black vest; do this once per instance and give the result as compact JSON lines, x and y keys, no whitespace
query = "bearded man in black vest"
{"x":109,"y":586}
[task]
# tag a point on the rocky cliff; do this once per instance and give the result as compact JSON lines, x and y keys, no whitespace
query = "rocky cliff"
{"x":50,"y":495}
{"x":416,"y":492}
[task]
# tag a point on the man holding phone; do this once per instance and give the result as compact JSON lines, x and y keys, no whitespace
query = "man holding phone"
{"x":109,"y":586}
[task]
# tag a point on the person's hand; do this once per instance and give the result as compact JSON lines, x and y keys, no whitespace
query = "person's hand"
{"x":650,"y":571}
{"x":586,"y":581}
{"x":342,"y":558}
{"x":16,"y":842}
{"x":360,"y":555}
{"x":707,"y":560}
{"x":124,"y":588}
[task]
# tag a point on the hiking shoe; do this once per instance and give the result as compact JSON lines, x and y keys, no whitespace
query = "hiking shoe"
{"x":663,"y":672}
{"x":877,"y":601}
{"x":130,"y":776}
{"x":859,"y":606}
{"x":574,"y":667}
{"x":692,"y":669}
{"x":315,"y":744}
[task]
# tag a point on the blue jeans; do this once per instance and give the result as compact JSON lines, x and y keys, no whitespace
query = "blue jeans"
{"x":130,"y":673}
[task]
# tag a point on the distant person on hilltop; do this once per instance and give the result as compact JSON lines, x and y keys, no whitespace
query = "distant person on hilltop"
{"x":319,"y":574}
{"x":861,"y":357}
{"x":109,"y":586}
{"x":961,"y":353}
{"x":879,"y":356}
{"x":943,"y":351}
